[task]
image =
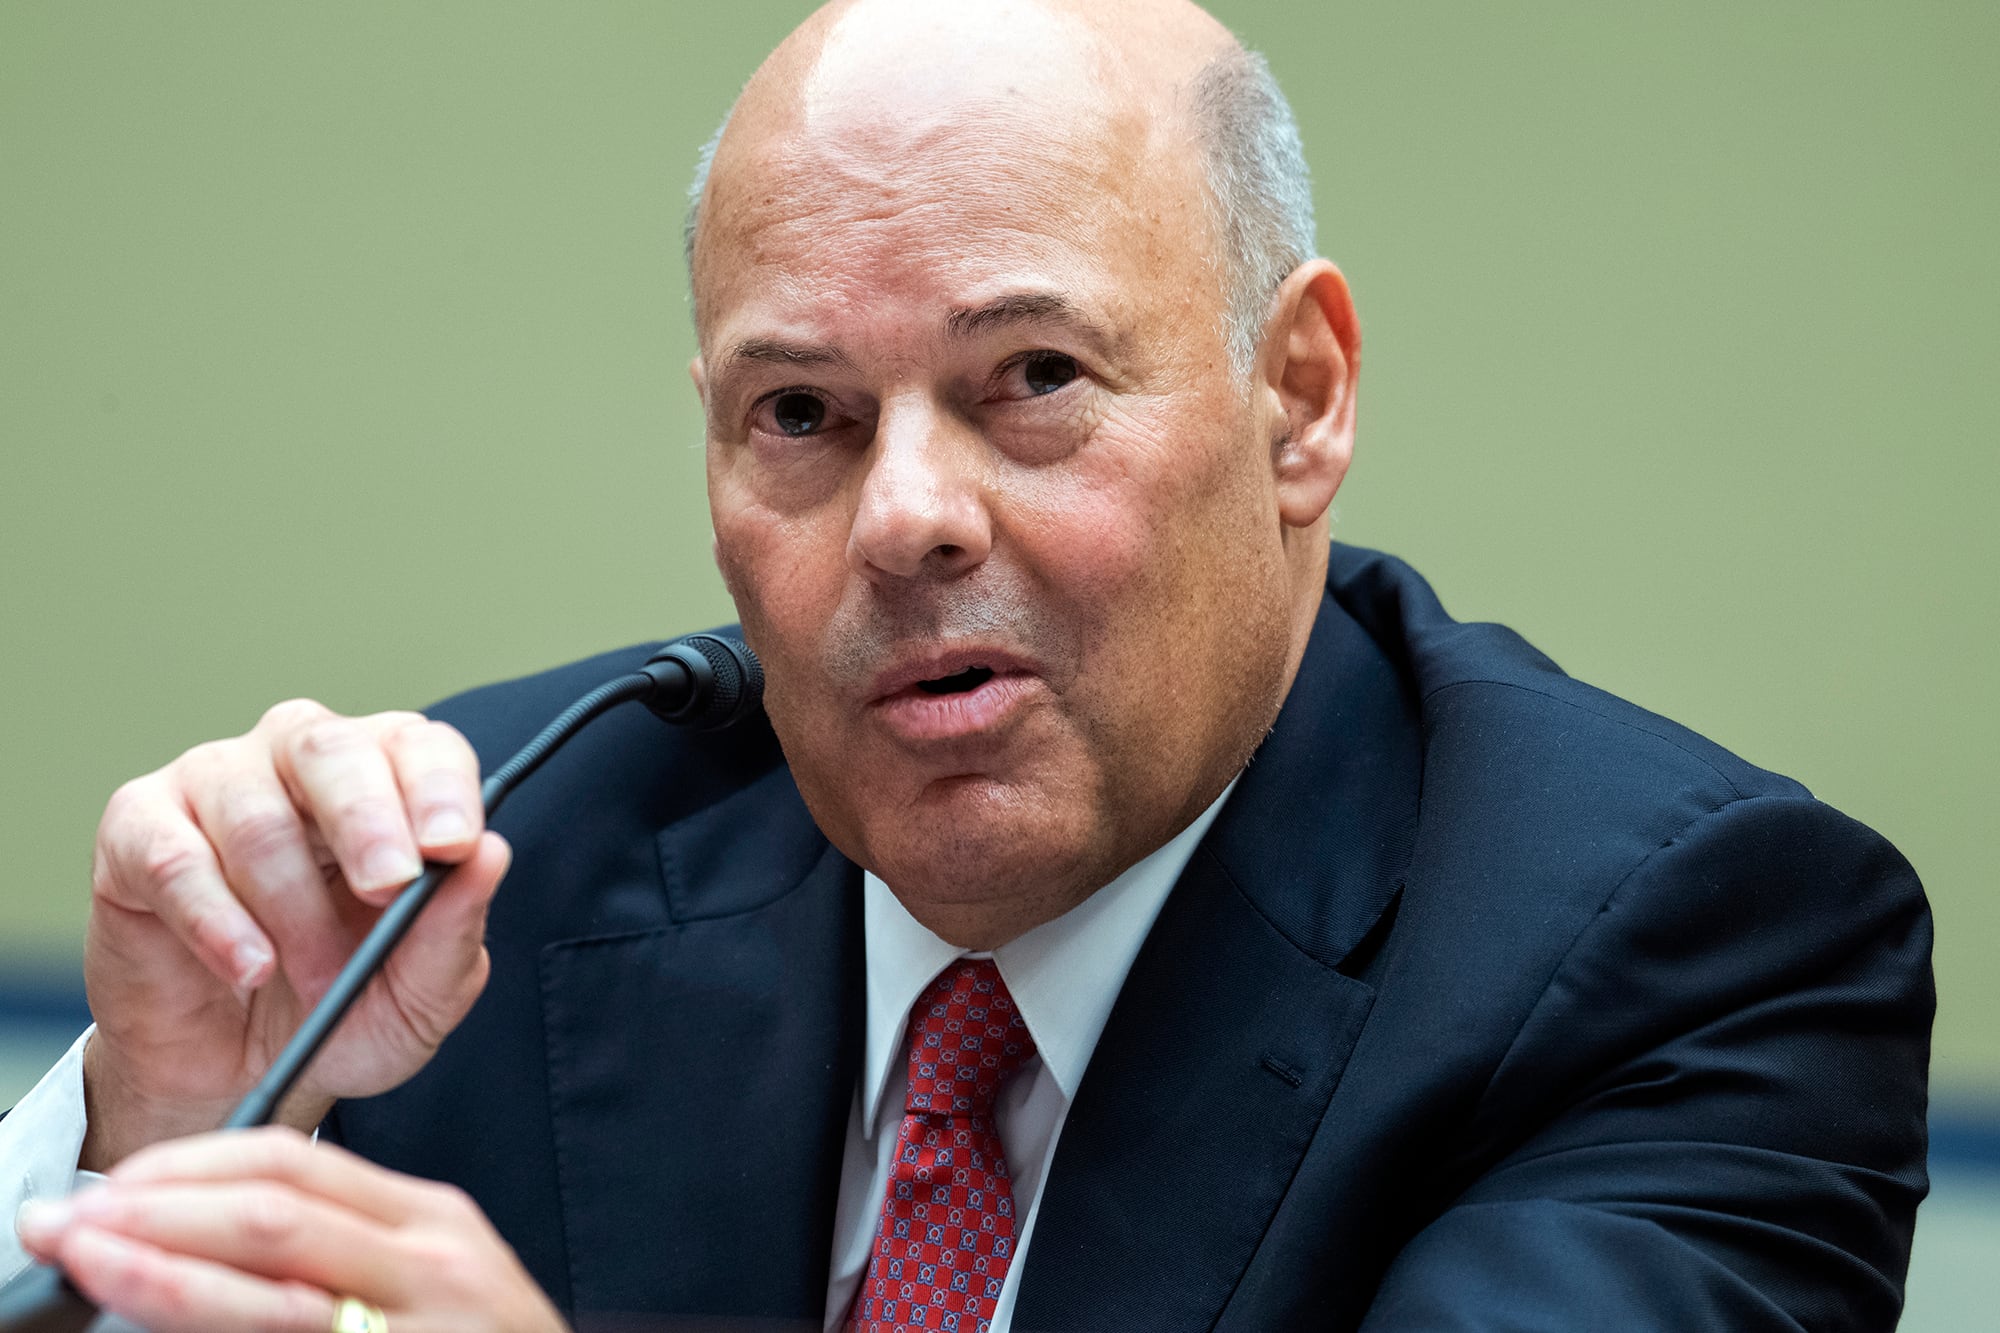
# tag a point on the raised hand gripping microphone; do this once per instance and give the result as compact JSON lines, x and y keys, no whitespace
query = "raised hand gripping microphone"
{"x":704,"y":681}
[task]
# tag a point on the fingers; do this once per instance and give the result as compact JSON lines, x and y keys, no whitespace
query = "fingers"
{"x":152,"y":859}
{"x":441,"y":966}
{"x":439,"y":777}
{"x":381,"y":792}
{"x":255,"y":1229}
{"x":339,"y":775}
{"x":222,"y":844}
{"x":265,"y":1202}
{"x":171,"y":1293}
{"x":267,"y":856}
{"x":258,"y":1227}
{"x":288,"y":1158}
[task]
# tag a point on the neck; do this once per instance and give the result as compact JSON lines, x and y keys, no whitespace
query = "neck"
{"x":984,"y":927}
{"x":979,"y":927}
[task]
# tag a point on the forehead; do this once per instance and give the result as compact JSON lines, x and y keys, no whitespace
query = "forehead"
{"x":961,"y":205}
{"x":941,"y":177}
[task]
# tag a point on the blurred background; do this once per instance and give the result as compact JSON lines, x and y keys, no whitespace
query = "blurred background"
{"x":343,"y":348}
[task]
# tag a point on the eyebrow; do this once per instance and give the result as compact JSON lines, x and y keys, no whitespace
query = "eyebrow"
{"x":776,"y":351}
{"x":1022,"y":308}
{"x":961,"y":323}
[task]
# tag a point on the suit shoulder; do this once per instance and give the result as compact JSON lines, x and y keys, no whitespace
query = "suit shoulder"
{"x":1491,"y":702}
{"x":1543,"y":727}
{"x":1541,"y":795}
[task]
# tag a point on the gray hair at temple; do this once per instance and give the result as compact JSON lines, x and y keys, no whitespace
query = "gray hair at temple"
{"x":1259,"y":190}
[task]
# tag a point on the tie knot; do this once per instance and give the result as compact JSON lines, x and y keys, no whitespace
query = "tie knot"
{"x":966,"y":1036}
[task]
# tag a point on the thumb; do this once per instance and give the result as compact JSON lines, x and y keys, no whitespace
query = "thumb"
{"x":440,"y":967}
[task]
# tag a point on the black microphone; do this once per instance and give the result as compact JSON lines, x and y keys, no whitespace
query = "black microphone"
{"x":704,"y":681}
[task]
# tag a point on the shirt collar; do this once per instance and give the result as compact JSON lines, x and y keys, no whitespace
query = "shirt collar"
{"x":1064,"y":974}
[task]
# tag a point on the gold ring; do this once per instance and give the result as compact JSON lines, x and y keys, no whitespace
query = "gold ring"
{"x":352,"y":1316}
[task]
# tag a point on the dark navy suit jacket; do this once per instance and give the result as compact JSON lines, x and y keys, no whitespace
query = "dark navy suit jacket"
{"x":1489,"y":1002}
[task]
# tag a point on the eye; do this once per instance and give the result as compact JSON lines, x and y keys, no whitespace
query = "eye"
{"x":798,"y":413}
{"x":1045,"y":372}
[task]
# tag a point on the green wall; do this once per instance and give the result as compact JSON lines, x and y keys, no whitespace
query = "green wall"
{"x":1680,"y":322}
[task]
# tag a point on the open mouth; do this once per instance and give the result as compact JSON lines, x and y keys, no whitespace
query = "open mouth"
{"x":979,"y":702}
{"x":959,"y":682}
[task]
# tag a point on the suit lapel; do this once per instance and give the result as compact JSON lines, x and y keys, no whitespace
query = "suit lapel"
{"x":1199,"y":1102}
{"x":699,"y":1135}
{"x":1218,"y":1062}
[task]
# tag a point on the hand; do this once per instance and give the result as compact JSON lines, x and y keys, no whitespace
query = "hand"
{"x":263,"y":1230}
{"x":229,"y":887}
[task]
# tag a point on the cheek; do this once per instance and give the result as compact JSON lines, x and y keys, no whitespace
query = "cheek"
{"x":1163,"y":540}
{"x":775,"y":608}
{"x":1115,"y":525}
{"x":1085,"y":544}
{"x":785,"y":572}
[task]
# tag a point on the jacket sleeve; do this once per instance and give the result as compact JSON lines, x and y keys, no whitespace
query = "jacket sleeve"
{"x":1714,"y":1115}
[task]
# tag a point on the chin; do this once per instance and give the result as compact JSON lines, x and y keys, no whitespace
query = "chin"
{"x":969,"y":841}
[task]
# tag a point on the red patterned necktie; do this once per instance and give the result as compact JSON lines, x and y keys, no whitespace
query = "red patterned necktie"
{"x":946,"y":1234}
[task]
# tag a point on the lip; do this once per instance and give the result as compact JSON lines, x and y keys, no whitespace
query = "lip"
{"x":914,"y":715}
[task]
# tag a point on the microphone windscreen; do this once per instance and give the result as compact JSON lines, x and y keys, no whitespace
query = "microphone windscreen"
{"x":724,"y":682}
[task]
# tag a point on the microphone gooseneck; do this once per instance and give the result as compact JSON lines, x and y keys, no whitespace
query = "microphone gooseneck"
{"x":704,"y":680}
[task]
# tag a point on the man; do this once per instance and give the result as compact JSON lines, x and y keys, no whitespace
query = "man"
{"x":1132,"y":917}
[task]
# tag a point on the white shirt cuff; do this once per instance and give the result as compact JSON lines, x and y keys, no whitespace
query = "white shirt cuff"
{"x":40,"y":1141}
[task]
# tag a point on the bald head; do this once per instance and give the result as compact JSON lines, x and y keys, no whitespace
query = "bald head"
{"x":1156,"y":89}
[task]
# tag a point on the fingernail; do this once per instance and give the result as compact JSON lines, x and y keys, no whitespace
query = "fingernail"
{"x":109,"y":1247}
{"x":250,"y":960}
{"x":387,"y":866}
{"x":38,"y":1220}
{"x":445,"y":825}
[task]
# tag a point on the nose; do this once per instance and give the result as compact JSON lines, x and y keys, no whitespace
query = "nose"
{"x":923,"y":508}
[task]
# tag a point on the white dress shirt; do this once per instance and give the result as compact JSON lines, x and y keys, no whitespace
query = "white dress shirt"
{"x":1064,"y":976}
{"x":40,"y":1140}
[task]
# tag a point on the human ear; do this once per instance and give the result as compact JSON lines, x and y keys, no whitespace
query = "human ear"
{"x":1308,"y":364}
{"x":699,"y":375}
